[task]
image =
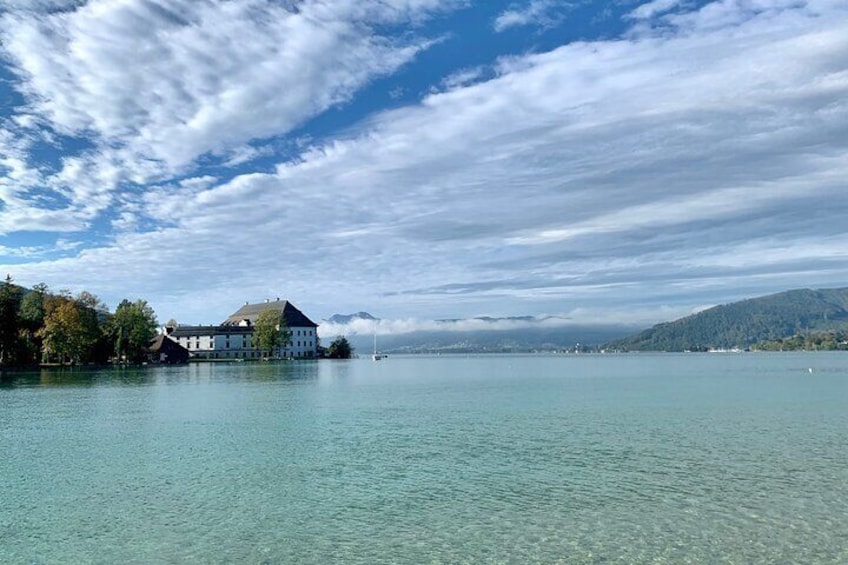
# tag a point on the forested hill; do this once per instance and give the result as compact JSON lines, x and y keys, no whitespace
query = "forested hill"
{"x":744,"y":323}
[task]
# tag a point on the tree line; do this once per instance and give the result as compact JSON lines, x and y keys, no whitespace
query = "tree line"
{"x":813,"y":341}
{"x":40,"y":326}
{"x":742,"y":324}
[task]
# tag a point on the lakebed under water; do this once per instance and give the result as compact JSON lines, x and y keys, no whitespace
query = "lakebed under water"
{"x":649,"y":458}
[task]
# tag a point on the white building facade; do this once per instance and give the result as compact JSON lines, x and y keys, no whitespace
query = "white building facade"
{"x":233,"y":338}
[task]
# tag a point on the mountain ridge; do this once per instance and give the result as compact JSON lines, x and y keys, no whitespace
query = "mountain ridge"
{"x":348,"y":318}
{"x":746,"y":322}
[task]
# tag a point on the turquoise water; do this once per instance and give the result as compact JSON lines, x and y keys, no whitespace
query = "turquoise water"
{"x":717,"y":458}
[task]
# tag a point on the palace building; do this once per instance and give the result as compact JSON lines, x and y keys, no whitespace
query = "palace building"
{"x":232,"y":339}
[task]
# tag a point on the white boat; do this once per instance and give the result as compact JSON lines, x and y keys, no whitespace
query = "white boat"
{"x":376,"y":356}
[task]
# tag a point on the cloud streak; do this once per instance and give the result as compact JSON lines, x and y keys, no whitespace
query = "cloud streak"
{"x":540,"y":13}
{"x":153,"y":87}
{"x":652,"y":9}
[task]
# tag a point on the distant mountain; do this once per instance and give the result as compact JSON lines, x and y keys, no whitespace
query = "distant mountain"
{"x":742,"y":324}
{"x":523,"y":340}
{"x":473,"y":335}
{"x":348,"y":318}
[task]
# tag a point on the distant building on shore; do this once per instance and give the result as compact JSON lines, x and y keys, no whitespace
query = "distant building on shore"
{"x":166,"y":351}
{"x":232,"y":339}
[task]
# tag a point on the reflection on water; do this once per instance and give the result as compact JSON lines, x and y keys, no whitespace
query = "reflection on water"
{"x":150,"y":375}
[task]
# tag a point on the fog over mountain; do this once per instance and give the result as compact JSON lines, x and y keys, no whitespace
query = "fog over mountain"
{"x":480,"y":334}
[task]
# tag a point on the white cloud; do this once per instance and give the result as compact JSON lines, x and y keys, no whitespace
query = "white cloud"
{"x":537,"y":12}
{"x":25,"y":252}
{"x":22,"y":205}
{"x":154,"y":86}
{"x":708,"y":205}
{"x":126,"y":221}
{"x":652,"y":9}
{"x":463,"y":77}
{"x":245,"y":154}
{"x":67,"y":245}
{"x":174,"y":81}
{"x":38,"y":5}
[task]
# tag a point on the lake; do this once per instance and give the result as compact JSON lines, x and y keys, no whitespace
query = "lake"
{"x":648,"y":458}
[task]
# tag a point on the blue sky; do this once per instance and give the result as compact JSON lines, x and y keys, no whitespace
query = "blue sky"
{"x":420,"y":159}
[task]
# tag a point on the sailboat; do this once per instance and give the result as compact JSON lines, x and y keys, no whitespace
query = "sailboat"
{"x":376,"y":356}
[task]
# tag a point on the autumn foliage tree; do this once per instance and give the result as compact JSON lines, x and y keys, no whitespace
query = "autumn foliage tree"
{"x":71,"y":327}
{"x":38,"y":325}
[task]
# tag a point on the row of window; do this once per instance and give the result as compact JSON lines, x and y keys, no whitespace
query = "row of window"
{"x":296,"y":332}
{"x":188,"y":344}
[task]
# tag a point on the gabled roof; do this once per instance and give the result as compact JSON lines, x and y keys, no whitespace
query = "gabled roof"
{"x":162,"y":341}
{"x":294,"y":318}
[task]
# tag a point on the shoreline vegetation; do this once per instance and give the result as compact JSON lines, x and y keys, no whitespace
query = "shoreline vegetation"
{"x":40,"y":328}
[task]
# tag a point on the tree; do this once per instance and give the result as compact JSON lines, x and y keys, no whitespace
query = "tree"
{"x":93,"y":315}
{"x":131,"y":329}
{"x":61,"y":320}
{"x":32,"y":319}
{"x":10,"y":299}
{"x":270,"y":331}
{"x":340,"y":349}
{"x":71,"y":327}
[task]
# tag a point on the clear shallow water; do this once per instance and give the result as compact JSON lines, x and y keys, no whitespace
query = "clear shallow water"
{"x":495,"y":459}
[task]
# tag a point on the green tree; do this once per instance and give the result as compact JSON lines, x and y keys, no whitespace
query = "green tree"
{"x":32,"y":320}
{"x":271,"y":332}
{"x":71,"y":328}
{"x":93,"y":340}
{"x":340,"y":349}
{"x":10,"y":300}
{"x":61,"y":319}
{"x":131,"y":328}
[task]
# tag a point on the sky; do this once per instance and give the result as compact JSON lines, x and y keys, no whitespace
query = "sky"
{"x":601,"y":162}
